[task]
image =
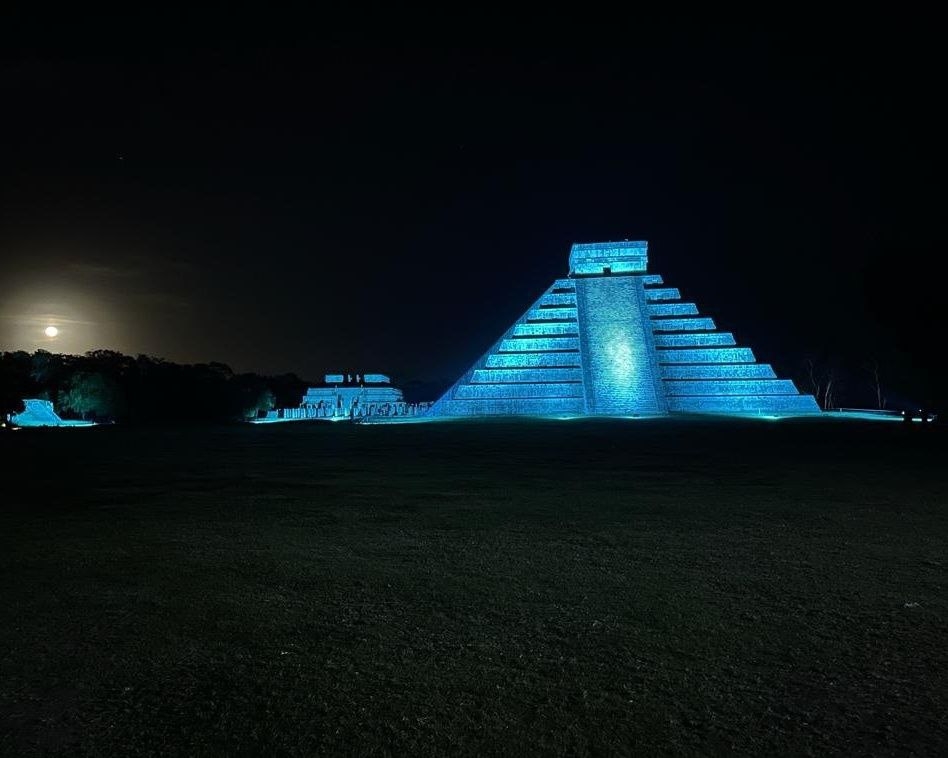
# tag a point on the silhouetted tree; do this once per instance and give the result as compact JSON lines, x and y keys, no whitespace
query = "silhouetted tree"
{"x":875,"y":382}
{"x":822,"y":380}
{"x":814,"y":378}
{"x":830,"y":388}
{"x":16,"y":382}
{"x":264,"y":402}
{"x":92,"y":394}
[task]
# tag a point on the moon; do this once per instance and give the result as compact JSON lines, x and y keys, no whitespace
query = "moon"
{"x":51,"y":331}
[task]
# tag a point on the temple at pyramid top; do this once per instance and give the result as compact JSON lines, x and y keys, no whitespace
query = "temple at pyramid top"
{"x":612,"y":340}
{"x":608,"y":258}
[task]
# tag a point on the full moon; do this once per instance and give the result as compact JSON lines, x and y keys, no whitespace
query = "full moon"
{"x":51,"y":331}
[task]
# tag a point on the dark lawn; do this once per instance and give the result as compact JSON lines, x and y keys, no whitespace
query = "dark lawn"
{"x":585,"y":587}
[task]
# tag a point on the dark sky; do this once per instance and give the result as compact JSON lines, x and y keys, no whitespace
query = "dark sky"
{"x":286,"y":201}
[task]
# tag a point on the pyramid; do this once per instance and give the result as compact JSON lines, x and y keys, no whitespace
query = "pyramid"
{"x":612,"y":340}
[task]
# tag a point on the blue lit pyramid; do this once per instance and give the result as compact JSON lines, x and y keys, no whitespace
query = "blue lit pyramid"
{"x":610,"y":340}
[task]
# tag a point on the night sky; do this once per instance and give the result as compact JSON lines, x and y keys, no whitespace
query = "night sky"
{"x":282,"y":201}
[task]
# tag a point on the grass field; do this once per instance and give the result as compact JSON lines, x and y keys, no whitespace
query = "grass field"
{"x":494,"y":588}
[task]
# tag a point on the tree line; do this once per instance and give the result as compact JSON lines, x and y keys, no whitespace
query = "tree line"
{"x":104,"y":385}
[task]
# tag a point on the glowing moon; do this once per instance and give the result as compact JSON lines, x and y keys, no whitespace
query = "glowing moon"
{"x":51,"y":331}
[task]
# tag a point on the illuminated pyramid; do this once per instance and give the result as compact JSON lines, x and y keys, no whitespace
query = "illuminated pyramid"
{"x":610,"y":340}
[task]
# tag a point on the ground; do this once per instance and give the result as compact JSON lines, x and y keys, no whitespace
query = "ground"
{"x":488,"y":588}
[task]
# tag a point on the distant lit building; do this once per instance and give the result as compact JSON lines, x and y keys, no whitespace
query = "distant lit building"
{"x":37,"y":412}
{"x":350,"y":392}
{"x":612,"y":340}
{"x":350,"y":396}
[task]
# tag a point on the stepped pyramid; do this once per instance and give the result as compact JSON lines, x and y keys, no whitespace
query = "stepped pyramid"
{"x":611,"y":340}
